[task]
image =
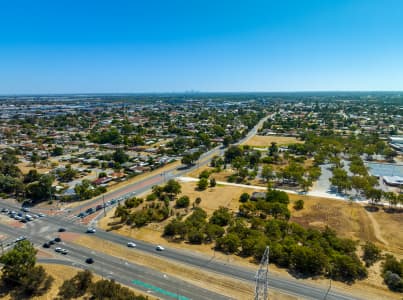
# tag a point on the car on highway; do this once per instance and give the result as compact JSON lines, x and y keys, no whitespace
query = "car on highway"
{"x":91,"y":230}
{"x":99,"y":207}
{"x":41,"y":215}
{"x":89,"y":260}
{"x":159,"y":248}
{"x":61,"y":229}
{"x":131,"y":244}
{"x":51,"y":242}
{"x":25,"y":209}
{"x":91,"y":210}
{"x":58,"y":249}
{"x":46,"y":245}
{"x":64,"y":251}
{"x":4,"y":210}
{"x":81,"y":215}
{"x":57,"y":239}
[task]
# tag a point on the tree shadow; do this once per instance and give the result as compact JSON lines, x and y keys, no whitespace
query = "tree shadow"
{"x":371,"y":208}
{"x":393,"y":210}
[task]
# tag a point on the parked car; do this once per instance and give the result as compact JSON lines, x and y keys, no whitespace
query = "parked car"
{"x":99,"y":207}
{"x":131,"y":244}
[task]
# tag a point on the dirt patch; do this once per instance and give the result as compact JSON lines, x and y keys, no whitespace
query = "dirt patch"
{"x":349,"y":220}
{"x":390,"y":229}
{"x":265,"y":141}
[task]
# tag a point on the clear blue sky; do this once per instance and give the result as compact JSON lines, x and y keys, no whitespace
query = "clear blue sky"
{"x":71,"y":46}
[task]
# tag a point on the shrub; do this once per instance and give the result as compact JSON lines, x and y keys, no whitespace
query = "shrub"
{"x":183,"y":202}
{"x":244,"y":197}
{"x":371,"y":253}
{"x":202,"y":184}
{"x":299,"y":204}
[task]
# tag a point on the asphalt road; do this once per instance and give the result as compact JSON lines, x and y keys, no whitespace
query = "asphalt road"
{"x":109,"y":263}
{"x":52,"y":223}
{"x":145,"y":184}
{"x":120,"y":270}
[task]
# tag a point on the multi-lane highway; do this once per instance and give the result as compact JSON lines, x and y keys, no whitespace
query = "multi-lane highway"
{"x":125,"y":272}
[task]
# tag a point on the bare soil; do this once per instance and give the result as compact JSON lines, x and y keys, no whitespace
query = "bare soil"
{"x":265,"y":141}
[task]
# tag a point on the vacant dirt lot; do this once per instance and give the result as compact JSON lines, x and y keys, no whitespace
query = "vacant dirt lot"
{"x":265,"y":141}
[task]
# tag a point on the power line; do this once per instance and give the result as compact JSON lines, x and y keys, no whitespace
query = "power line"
{"x":262,"y":277}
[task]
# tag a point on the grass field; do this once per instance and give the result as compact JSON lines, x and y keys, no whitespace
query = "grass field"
{"x":265,"y":141}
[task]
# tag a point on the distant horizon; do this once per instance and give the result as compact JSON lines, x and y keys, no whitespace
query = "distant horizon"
{"x":200,"y":92}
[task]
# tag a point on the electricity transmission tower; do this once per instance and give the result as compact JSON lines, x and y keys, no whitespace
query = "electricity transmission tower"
{"x":262,"y":277}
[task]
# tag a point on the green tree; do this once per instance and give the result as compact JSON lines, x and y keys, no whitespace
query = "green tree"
{"x":77,"y":286}
{"x":120,"y":156}
{"x":244,"y":197}
{"x":172,"y":188}
{"x":57,"y":151}
{"x":202,"y":184}
{"x":182,"y":202}
{"x":221,"y":216}
{"x":35,"y":158}
{"x":371,"y":253}
{"x":299,"y":204}
{"x":213,"y":182}
{"x":229,"y":243}
{"x":19,"y":270}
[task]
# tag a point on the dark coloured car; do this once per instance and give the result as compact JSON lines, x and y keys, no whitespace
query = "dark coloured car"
{"x":99,"y":207}
{"x":46,"y":245}
{"x":89,"y":260}
{"x":51,"y":242}
{"x":57,"y":239}
{"x":81,"y":215}
{"x":62,"y":229}
{"x":90,"y":210}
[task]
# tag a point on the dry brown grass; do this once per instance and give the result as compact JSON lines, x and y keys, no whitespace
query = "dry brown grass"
{"x":265,"y":141}
{"x":348,"y":220}
{"x":214,"y":282}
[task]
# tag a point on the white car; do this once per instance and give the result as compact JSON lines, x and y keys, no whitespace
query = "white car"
{"x":131,"y":245}
{"x":159,"y":248}
{"x":91,"y":230}
{"x":58,"y":249}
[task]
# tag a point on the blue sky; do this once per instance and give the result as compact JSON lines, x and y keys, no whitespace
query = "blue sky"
{"x":70,"y":46}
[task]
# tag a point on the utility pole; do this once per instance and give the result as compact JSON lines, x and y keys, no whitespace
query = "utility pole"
{"x":103,"y":201}
{"x":262,"y":277}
